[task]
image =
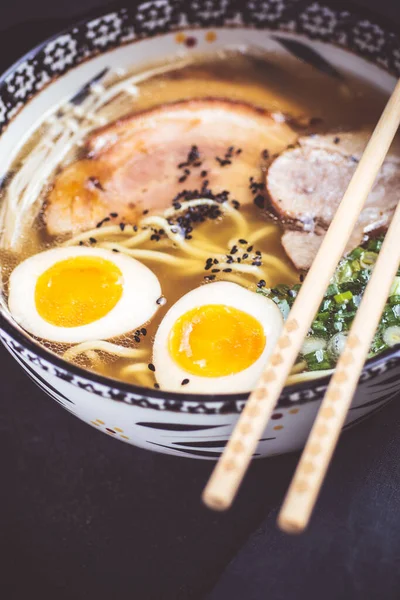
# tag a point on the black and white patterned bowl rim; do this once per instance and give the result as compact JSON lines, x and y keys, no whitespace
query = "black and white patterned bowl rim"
{"x":366,"y":35}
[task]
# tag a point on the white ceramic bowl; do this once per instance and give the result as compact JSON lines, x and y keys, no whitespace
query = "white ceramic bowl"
{"x":180,"y":424}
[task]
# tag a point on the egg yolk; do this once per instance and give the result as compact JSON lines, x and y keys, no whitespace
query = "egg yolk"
{"x":216,"y":340}
{"x":78,"y":291}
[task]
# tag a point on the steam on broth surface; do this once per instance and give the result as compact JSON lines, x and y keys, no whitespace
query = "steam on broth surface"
{"x":196,"y":238}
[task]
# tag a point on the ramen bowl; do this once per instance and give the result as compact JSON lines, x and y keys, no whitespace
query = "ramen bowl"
{"x":333,"y":40}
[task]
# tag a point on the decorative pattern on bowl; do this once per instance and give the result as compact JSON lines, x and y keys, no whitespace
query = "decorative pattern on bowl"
{"x":189,"y":425}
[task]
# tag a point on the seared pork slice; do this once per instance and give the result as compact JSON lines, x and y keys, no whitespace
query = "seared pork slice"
{"x":305,"y":185}
{"x":144,"y":161}
{"x":301,"y":247}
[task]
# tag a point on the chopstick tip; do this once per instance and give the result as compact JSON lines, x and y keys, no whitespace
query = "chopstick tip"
{"x":215,"y":501}
{"x":291,"y":525}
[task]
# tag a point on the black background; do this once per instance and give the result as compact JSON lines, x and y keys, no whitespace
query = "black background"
{"x":84,"y":517}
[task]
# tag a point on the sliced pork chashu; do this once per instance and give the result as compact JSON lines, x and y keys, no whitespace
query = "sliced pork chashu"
{"x":142,"y":162}
{"x":305,"y":185}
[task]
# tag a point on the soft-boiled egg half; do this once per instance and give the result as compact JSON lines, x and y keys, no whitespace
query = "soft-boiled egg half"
{"x":72,"y":295}
{"x":216,"y":339}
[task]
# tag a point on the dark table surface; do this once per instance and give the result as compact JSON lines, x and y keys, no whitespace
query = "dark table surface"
{"x":82,"y":516}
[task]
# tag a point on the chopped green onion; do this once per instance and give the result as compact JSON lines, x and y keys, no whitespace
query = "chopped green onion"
{"x":395,"y":289}
{"x":391,"y":335}
{"x":336,"y":345}
{"x":344,"y":272}
{"x":356,"y":253}
{"x":318,"y":361}
{"x":368,"y":260}
{"x":375,"y":245}
{"x":284,"y":307}
{"x":312,"y":344}
{"x":332,"y":290}
{"x":343,"y":298}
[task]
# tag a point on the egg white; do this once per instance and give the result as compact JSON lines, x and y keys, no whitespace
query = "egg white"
{"x":170,"y":375}
{"x":137,"y":304}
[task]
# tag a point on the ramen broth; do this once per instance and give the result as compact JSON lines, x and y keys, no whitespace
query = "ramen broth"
{"x":285,"y":85}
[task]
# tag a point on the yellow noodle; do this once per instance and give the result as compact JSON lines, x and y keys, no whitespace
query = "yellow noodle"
{"x":94,"y":358}
{"x":279,"y":265}
{"x":104,"y":346}
{"x":298,"y":367}
{"x":94,"y":233}
{"x":141,"y":373}
{"x":261,"y":234}
{"x":154,"y":255}
{"x":135,"y":368}
{"x":243,"y":268}
{"x":307,"y":376}
{"x":235,"y":279}
{"x":177,"y":238}
{"x":141,"y":236}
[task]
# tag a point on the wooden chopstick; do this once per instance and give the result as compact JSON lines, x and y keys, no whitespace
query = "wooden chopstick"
{"x":231,"y":467}
{"x":314,"y":462}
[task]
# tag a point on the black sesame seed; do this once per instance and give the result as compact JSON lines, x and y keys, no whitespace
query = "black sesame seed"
{"x":245,"y":255}
{"x":93,"y":240}
{"x":146,"y":211}
{"x":336,"y":140}
{"x":81,"y":243}
{"x":258,"y":252}
{"x":115,"y":250}
{"x":261,"y":283}
{"x":151,"y":367}
{"x":114,"y":215}
{"x":265,"y":154}
{"x":203,"y":174}
{"x":207,"y":267}
{"x":156,"y":386}
{"x":143,"y":331}
{"x":135,"y":228}
{"x":301,"y":277}
{"x":242,"y":241}
{"x":216,"y":261}
{"x":223,"y":162}
{"x":227,"y":270}
{"x":185,"y":381}
{"x":122,"y":226}
{"x":209,"y":277}
{"x":234,"y":249}
{"x":215,"y":270}
{"x":188,"y":237}
{"x":137,"y":339}
{"x":250,"y":248}
{"x":239,"y":151}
